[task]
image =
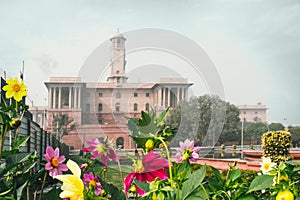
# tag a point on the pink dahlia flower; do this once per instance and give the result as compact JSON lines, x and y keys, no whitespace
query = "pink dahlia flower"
{"x":187,"y":151}
{"x":54,"y":162}
{"x":103,"y":150}
{"x":147,"y":170}
{"x":91,"y":180}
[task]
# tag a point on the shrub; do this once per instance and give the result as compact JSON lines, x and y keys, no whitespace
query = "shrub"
{"x":276,"y":145}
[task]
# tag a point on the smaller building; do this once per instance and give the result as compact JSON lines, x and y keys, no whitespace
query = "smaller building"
{"x":253,"y":113}
{"x":39,"y":115}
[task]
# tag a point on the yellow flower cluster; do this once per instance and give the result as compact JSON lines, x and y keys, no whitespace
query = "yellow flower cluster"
{"x":276,"y":145}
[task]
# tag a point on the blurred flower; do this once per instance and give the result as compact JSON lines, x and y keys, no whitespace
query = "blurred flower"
{"x":15,"y":89}
{"x":55,"y":162}
{"x":91,"y":180}
{"x":187,"y":151}
{"x":103,"y":150}
{"x":147,"y":170}
{"x":84,"y":166}
{"x":72,"y":184}
{"x":267,"y":165}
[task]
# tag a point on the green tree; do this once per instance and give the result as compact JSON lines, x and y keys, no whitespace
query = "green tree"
{"x":254,"y":131}
{"x":276,"y":127}
{"x":62,"y":124}
{"x":203,"y":119}
{"x":295,"y":131}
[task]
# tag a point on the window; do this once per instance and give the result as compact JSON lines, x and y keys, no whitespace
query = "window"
{"x":117,"y":107}
{"x":100,"y":94}
{"x":135,"y":94}
{"x":99,"y":107}
{"x":245,"y":112}
{"x":118,"y":71}
{"x":120,"y":142}
{"x":100,"y":121}
{"x":147,"y":107}
{"x":118,"y":43}
{"x":256,"y":113}
{"x":147,"y":95}
{"x":135,"y":107}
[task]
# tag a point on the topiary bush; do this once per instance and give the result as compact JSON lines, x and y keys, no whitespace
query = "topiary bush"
{"x":276,"y":145}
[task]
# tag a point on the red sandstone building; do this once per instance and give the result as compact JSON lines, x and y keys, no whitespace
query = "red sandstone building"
{"x":99,"y":109}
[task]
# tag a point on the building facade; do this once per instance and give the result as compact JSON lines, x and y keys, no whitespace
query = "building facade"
{"x":253,"y":113}
{"x":100,"y":109}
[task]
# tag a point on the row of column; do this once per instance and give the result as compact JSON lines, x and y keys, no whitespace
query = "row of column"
{"x":55,"y":97}
{"x":164,"y":95}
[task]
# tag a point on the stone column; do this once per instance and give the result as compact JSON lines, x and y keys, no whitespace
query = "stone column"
{"x":163,"y":97}
{"x":169,"y":97}
{"x":75,"y":97}
{"x":59,"y":97}
{"x":54,"y":97}
{"x":70,"y":97}
{"x":159,"y":97}
{"x":50,"y":98}
{"x":177,"y":96}
{"x":79,"y":97}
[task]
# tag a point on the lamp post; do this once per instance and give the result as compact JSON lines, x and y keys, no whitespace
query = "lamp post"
{"x":242,"y":136}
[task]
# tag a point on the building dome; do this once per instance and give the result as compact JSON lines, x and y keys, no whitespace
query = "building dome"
{"x":117,"y":35}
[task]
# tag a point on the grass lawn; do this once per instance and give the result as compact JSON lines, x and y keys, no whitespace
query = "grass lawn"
{"x":112,"y":174}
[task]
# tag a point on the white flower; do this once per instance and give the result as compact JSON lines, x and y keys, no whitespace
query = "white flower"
{"x":267,"y":165}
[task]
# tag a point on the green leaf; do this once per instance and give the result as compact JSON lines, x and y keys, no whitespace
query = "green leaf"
{"x":260,"y":183}
{"x":112,"y":190}
{"x":199,"y":194}
{"x":193,"y":182}
{"x":162,"y":117}
{"x":6,"y":192}
{"x":20,"y":141}
{"x":235,"y":174}
{"x":247,"y":197}
{"x":143,"y":185}
{"x":20,"y":190}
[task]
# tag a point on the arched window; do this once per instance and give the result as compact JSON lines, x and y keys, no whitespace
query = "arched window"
{"x":135,"y":107}
{"x":99,"y":107}
{"x":120,"y":143}
{"x":117,"y":107}
{"x":147,"y":107}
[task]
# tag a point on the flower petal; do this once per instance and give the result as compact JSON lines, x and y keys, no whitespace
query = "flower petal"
{"x":74,"y":168}
{"x":128,"y":181}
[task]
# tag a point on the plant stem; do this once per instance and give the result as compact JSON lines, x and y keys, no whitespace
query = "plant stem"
{"x":43,"y":184}
{"x":205,"y":192}
{"x":2,"y":139}
{"x":169,"y":160}
{"x":121,"y":175}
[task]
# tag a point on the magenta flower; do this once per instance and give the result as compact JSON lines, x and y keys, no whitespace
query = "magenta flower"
{"x":147,"y":170}
{"x":84,"y":167}
{"x":103,"y":150}
{"x":54,"y":162}
{"x":187,"y":151}
{"x":91,"y":180}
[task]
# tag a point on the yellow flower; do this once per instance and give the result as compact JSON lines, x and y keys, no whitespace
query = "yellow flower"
{"x":149,"y":145}
{"x":15,"y":89}
{"x":267,"y":165}
{"x":72,"y":184}
{"x":285,"y":195}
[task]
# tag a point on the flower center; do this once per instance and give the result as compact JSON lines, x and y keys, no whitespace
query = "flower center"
{"x":267,"y":166}
{"x":16,"y":88}
{"x":101,"y":149}
{"x":185,"y":156}
{"x":93,"y":183}
{"x":54,"y":162}
{"x":138,"y":167}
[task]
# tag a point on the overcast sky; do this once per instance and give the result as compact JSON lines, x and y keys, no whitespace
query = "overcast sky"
{"x":254,"y":44}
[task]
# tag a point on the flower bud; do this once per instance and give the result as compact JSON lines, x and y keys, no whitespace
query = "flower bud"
{"x":15,"y":123}
{"x":149,"y":145}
